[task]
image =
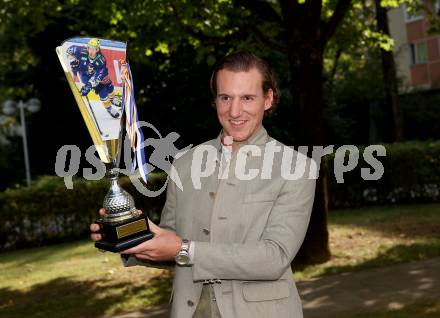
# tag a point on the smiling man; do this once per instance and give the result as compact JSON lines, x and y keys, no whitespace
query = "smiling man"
{"x":241,"y":102}
{"x":233,"y":240}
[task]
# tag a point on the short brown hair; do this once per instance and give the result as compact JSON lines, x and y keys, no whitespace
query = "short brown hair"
{"x":243,"y":61}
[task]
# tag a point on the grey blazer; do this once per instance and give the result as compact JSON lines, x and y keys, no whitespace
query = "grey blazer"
{"x":246,"y":233}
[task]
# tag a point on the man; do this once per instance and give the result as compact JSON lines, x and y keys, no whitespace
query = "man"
{"x":90,"y":65}
{"x":233,"y":237}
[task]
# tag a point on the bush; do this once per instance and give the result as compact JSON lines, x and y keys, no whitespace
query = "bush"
{"x":411,"y":174}
{"x":47,"y":212}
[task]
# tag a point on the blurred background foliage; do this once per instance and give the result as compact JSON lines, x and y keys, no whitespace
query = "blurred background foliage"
{"x":172,"y":47}
{"x":332,"y":59}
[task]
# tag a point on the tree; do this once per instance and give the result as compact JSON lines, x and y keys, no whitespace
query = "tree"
{"x":390,"y":74}
{"x":299,"y":30}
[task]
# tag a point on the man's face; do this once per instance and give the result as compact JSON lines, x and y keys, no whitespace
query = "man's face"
{"x":241,"y":103}
{"x":92,"y":51}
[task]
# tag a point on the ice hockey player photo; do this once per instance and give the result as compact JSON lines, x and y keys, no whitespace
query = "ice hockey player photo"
{"x":94,"y":67}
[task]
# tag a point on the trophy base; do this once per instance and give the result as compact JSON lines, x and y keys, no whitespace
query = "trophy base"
{"x":123,"y":235}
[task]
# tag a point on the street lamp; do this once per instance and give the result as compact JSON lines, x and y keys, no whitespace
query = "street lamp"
{"x":9,"y":108}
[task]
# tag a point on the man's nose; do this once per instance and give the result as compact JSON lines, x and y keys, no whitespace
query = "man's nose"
{"x":236,"y":108}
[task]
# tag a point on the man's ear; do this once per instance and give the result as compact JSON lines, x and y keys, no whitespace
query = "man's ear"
{"x":268,"y":99}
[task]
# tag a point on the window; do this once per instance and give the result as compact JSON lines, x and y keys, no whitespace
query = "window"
{"x":418,"y":53}
{"x":411,"y":16}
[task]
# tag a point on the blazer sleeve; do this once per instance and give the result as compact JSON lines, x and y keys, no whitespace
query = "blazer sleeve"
{"x":268,"y":258}
{"x":167,"y":221}
{"x":168,"y":216}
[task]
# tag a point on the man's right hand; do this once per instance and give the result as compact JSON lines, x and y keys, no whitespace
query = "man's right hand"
{"x":94,"y":228}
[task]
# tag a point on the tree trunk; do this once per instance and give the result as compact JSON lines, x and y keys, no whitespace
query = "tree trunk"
{"x":390,"y":76}
{"x":306,"y":66}
{"x":315,"y":249}
{"x":306,"y":35}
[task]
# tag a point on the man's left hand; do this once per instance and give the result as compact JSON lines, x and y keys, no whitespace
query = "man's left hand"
{"x":162,"y":247}
{"x":86,"y":89}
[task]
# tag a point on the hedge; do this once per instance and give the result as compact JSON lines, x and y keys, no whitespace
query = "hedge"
{"x":411,"y":174}
{"x":47,"y":212}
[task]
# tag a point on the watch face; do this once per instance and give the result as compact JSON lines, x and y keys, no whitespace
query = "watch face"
{"x":182,"y":259}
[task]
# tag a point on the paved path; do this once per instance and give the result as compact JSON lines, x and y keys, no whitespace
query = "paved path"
{"x":373,"y":289}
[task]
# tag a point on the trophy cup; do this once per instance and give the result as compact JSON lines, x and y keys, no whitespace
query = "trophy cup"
{"x":93,"y":71}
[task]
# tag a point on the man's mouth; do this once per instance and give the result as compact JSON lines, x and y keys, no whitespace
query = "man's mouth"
{"x":237,"y":123}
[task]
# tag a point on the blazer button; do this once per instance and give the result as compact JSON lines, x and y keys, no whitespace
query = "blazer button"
{"x":206,"y":231}
{"x":212,"y":194}
{"x":190,"y":303}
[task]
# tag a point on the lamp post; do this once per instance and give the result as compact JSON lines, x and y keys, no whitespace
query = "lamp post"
{"x":32,"y":105}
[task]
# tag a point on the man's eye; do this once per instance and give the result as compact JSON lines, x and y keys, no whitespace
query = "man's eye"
{"x":225,"y":98}
{"x":247,"y":98}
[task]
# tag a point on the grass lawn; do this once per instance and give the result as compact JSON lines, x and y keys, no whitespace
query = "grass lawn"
{"x":76,"y":280}
{"x":377,"y":236}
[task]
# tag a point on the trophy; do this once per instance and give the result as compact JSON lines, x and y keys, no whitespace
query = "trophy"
{"x":101,"y":84}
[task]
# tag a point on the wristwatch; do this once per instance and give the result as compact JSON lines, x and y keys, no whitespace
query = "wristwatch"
{"x":182,"y":256}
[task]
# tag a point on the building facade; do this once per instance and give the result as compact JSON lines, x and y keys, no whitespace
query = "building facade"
{"x":417,"y":52}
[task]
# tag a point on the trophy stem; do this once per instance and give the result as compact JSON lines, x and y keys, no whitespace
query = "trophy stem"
{"x":118,"y":203}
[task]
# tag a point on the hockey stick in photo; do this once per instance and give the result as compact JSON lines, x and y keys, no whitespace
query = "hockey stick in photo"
{"x":91,"y":109}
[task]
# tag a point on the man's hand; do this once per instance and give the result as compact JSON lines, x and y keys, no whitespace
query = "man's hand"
{"x":86,"y":89}
{"x":162,"y":247}
{"x":74,"y":64}
{"x":95,"y":228}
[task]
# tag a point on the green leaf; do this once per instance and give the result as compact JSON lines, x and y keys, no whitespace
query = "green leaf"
{"x":148,"y":52}
{"x":162,"y":47}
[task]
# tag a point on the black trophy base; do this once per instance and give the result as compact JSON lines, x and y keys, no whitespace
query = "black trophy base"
{"x":120,"y":236}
